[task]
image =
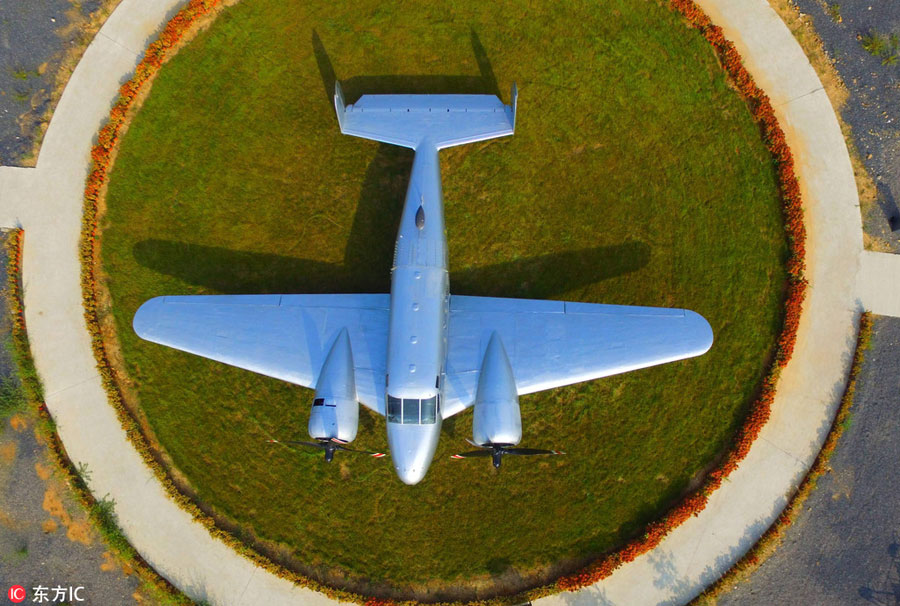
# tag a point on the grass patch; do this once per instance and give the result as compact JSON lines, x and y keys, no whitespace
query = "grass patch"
{"x":103,"y":514}
{"x":21,"y":96}
{"x":881,"y":45}
{"x":12,"y":399}
{"x":874,"y":43}
{"x":24,"y":74}
{"x":636,"y":177}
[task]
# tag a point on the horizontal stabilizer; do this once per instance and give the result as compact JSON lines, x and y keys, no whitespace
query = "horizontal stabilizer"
{"x":443,"y":120}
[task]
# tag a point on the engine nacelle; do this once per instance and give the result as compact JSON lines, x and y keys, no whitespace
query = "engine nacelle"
{"x":496,"y":418}
{"x":335,"y":409}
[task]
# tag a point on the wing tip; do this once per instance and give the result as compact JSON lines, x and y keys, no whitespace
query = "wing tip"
{"x":143,"y":321}
{"x":700,"y":327}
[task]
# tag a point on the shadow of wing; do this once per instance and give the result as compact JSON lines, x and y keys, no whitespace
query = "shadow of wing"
{"x":549,"y":275}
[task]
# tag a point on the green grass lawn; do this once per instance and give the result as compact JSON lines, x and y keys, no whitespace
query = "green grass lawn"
{"x":636,"y":176}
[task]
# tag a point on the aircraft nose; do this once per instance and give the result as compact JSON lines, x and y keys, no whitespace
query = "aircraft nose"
{"x":412,"y":448}
{"x":410,"y":475}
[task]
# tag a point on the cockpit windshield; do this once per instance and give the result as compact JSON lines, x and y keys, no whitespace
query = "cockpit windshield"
{"x":411,"y":411}
{"x":429,"y":407}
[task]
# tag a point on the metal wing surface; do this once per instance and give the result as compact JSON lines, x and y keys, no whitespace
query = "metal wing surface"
{"x":556,"y":343}
{"x":282,"y":336}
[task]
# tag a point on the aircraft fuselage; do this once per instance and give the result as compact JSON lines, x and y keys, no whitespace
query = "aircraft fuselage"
{"x":417,"y":334}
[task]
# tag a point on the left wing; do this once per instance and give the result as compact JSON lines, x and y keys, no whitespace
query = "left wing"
{"x":282,"y":336}
{"x":556,"y":343}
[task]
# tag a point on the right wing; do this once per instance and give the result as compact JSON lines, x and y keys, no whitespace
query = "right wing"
{"x":556,"y":343}
{"x":282,"y":336}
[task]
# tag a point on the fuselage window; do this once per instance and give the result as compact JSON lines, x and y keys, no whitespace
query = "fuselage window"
{"x":393,"y":409}
{"x":429,"y":409}
{"x":410,"y":411}
{"x":319,"y":402}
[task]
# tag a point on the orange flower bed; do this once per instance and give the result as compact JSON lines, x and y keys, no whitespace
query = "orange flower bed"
{"x":761,"y":109}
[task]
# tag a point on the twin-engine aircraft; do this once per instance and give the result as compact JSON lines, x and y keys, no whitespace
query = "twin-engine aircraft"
{"x":420,"y":355}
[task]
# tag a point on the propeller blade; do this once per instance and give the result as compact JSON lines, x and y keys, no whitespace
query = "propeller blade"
{"x":474,"y":453}
{"x":531,"y":451}
{"x":368,"y":452}
{"x":333,"y":444}
{"x":313,"y":444}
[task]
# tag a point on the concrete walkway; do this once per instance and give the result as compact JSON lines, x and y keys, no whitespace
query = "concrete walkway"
{"x":47,"y":202}
{"x":879,"y":283}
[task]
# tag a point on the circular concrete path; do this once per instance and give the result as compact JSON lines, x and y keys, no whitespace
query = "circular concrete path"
{"x":47,"y":202}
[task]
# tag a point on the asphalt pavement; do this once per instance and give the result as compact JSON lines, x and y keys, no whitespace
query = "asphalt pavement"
{"x":863,"y":38}
{"x":845,"y":546}
{"x":33,"y":37}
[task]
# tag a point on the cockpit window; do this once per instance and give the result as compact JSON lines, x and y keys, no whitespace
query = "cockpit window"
{"x":429,"y":407}
{"x":411,"y":411}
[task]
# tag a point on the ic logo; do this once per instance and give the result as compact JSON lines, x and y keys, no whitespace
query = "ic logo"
{"x":16,"y":594}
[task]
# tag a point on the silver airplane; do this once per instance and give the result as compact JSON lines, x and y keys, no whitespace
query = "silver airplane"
{"x":420,"y":355}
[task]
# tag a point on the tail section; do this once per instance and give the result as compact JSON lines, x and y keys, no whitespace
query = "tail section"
{"x":442,"y":120}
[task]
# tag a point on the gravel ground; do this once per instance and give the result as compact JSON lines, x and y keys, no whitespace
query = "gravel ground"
{"x":873,"y":110}
{"x":33,"y":36}
{"x":45,"y":538}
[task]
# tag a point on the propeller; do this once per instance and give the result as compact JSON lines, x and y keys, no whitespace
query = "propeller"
{"x":496,"y":452}
{"x":329,"y":446}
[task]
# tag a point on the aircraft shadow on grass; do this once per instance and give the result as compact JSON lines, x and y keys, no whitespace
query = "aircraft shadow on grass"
{"x":367,"y":257}
{"x":239,"y":272}
{"x":354,"y":87}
